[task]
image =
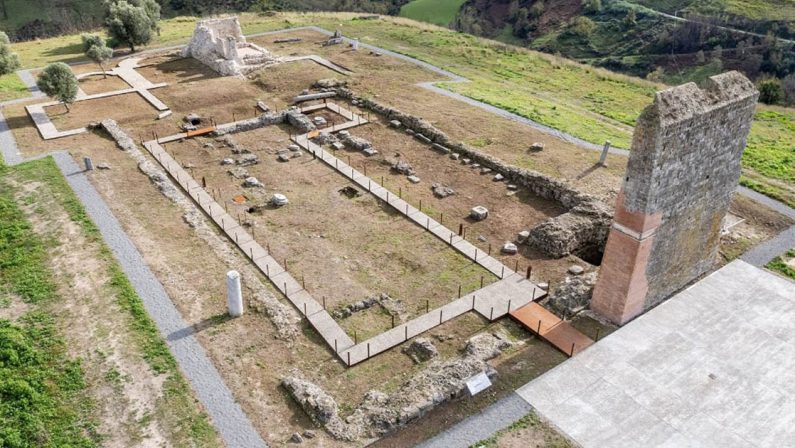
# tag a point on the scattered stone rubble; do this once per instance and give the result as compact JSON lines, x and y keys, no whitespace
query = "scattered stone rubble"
{"x":587,"y":221}
{"x":403,"y":167}
{"x":421,"y":350}
{"x":353,"y":142}
{"x":394,"y":307}
{"x":442,"y":191}
{"x":574,"y":294}
{"x":284,"y":318}
{"x":380,"y":413}
{"x":300,"y":121}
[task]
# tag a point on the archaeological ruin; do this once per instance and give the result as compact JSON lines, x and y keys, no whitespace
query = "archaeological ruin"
{"x":682,"y":171}
{"x":221,"y":45}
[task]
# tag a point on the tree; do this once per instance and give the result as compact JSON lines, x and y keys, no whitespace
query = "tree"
{"x":770,"y":91}
{"x":582,"y":26}
{"x":89,"y":40}
{"x":8,"y":60}
{"x":57,"y":81}
{"x":592,"y":6}
{"x":100,"y":53}
{"x":132,"y":22}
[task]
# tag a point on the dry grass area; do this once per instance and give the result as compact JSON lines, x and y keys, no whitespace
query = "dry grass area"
{"x":345,"y":249}
{"x":321,"y":227}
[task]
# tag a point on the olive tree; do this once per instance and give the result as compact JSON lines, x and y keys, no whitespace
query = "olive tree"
{"x":95,"y":49}
{"x":57,"y":81}
{"x":8,"y":60}
{"x":131,"y":22}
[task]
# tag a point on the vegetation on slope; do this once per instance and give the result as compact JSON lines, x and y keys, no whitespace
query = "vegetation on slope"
{"x":587,"y":102}
{"x":42,"y":390}
{"x":24,"y":272}
{"x":784,"y":264}
{"x":438,"y":12}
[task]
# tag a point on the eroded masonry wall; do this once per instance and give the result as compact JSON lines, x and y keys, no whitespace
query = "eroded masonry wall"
{"x":683,"y":168}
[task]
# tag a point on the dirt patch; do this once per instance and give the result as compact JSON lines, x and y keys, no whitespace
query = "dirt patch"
{"x":99,"y":84}
{"x":11,"y":306}
{"x":126,"y":109}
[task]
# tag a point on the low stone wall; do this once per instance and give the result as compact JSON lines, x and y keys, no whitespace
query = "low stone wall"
{"x":585,"y":224}
{"x":266,"y":119}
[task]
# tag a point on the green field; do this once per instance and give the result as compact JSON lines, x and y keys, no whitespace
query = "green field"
{"x":587,"y":102}
{"x":438,"y":12}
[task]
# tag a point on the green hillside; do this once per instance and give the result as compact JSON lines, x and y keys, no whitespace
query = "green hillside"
{"x":775,"y":10}
{"x":438,"y":12}
{"x":590,"y":103}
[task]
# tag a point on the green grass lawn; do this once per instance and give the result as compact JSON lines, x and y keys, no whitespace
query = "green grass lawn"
{"x":587,"y":102}
{"x":11,"y":87}
{"x":438,"y":12}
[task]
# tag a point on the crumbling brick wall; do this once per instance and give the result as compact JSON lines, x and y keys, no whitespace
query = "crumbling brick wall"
{"x":683,"y":168}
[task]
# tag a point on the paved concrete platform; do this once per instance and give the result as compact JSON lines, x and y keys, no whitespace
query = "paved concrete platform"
{"x":714,"y":366}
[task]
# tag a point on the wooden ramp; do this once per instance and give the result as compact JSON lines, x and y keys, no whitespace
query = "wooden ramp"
{"x":550,"y":327}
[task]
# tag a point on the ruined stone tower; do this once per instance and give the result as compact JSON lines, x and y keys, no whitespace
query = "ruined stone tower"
{"x":684,"y":166}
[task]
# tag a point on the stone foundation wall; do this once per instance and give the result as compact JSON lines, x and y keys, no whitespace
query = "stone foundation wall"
{"x":682,"y":172}
{"x":586,"y":223}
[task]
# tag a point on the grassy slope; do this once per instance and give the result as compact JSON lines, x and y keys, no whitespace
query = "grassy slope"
{"x":756,"y":9}
{"x":590,"y":103}
{"x":438,"y":12}
{"x":26,"y":275}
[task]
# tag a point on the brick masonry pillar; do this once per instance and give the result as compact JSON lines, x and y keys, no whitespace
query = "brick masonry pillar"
{"x":622,"y":288}
{"x":683,"y":169}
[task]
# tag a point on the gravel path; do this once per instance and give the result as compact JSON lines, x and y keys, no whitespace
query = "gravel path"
{"x":481,"y":426}
{"x":30,"y":81}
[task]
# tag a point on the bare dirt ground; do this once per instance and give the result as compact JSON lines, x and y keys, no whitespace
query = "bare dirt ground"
{"x":345,"y":249}
{"x":98,"y":84}
{"x":131,"y":407}
{"x":246,"y":351}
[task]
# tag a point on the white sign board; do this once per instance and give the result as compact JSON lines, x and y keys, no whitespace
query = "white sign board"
{"x":478,"y":383}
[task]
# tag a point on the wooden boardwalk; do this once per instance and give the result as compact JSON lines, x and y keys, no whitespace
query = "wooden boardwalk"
{"x":513,"y":291}
{"x":550,"y":327}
